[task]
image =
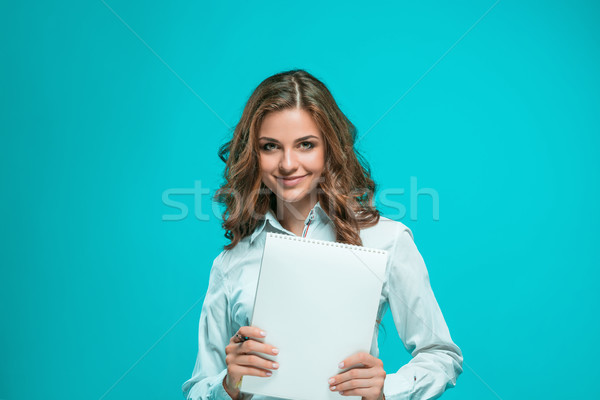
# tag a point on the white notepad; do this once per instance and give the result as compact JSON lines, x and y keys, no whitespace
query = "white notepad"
{"x":318,"y":303}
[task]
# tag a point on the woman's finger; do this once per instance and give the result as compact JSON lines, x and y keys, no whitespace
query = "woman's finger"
{"x":252,"y":332}
{"x":355,"y":384}
{"x":362,"y":359}
{"x":258,"y":347}
{"x":354,"y":373}
{"x":256,"y":361}
{"x":240,"y":370}
{"x":363,"y":392}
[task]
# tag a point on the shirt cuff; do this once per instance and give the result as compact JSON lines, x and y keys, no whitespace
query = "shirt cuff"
{"x":218,"y":391}
{"x":397,"y":386}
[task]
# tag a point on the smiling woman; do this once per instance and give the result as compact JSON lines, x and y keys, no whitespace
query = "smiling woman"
{"x":280,"y":115}
{"x":291,"y":168}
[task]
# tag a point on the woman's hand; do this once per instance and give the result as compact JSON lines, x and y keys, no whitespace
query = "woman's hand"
{"x":240,"y":362}
{"x":365,"y":380}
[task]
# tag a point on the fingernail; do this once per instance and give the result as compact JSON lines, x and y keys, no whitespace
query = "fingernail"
{"x":333,"y":388}
{"x":341,"y":365}
{"x":269,"y":373}
{"x":263,"y":333}
{"x":275,"y":351}
{"x":275,"y":365}
{"x":331,"y":380}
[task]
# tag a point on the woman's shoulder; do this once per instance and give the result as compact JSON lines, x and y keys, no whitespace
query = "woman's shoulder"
{"x":397,"y":239}
{"x":385,"y":234}
{"x":228,"y":259}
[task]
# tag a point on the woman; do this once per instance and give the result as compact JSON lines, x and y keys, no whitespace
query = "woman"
{"x":291,"y":168}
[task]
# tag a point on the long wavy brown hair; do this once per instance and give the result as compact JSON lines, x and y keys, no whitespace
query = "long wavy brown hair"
{"x":345,"y":190}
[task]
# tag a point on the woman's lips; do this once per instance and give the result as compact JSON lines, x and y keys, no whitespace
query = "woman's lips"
{"x":292,"y":181}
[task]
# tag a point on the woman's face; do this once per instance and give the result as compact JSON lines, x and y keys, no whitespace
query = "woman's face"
{"x":292,"y":155}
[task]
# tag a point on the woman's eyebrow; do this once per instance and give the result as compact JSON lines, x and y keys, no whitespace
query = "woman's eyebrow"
{"x":297,"y":140}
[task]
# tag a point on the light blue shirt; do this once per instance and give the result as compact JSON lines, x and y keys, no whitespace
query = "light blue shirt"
{"x":436,"y":361}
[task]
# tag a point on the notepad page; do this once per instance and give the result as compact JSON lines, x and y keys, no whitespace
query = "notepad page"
{"x":318,"y":303}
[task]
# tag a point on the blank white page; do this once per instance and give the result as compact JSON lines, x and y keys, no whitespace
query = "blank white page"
{"x":318,"y":302}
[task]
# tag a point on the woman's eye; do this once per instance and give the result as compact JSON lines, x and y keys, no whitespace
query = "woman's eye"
{"x":267,"y":146}
{"x":306,"y":145}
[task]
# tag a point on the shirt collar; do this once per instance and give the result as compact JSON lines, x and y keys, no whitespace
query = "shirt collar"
{"x":269,"y":217}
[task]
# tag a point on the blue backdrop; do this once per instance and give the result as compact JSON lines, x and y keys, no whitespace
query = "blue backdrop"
{"x":480,"y":120}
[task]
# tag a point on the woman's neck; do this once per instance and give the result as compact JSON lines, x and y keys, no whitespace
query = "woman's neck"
{"x":291,"y":216}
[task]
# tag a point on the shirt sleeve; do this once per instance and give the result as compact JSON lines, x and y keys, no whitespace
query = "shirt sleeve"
{"x":214,"y":333}
{"x":436,"y":361}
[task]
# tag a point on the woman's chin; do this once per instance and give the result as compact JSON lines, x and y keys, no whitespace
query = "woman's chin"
{"x":291,"y":197}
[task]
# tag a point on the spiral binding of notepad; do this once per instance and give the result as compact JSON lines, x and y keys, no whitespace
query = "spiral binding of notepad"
{"x":326,"y":243}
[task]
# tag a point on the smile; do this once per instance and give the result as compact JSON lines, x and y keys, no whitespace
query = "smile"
{"x":291,"y":181}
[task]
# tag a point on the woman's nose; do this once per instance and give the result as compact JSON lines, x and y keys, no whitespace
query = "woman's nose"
{"x":288,"y":161}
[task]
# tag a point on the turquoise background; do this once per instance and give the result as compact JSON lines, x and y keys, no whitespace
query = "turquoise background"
{"x":107,"y":105}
